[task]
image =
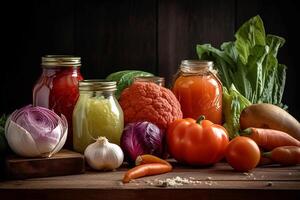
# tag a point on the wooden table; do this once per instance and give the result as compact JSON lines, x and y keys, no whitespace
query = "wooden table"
{"x":216,"y":182}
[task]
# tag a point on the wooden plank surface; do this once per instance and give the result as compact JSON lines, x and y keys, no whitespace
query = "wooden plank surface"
{"x":217,"y":182}
{"x":64,"y":162}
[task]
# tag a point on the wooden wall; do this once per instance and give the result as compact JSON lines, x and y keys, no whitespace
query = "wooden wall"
{"x":112,"y":35}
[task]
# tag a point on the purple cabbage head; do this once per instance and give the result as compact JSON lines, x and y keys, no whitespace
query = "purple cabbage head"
{"x":140,"y":138}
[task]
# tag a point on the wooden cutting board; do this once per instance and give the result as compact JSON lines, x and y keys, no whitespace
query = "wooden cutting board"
{"x":65,"y":162}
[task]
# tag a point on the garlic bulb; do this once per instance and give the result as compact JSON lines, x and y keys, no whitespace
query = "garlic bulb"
{"x":103,"y":155}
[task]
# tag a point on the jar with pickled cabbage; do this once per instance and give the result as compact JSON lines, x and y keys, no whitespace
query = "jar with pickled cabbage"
{"x":96,"y":113}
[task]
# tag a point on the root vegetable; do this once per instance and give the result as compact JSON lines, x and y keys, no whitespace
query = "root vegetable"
{"x":269,"y":139}
{"x":147,"y":165}
{"x":271,"y":117}
{"x":285,"y":155}
{"x":146,"y":170}
{"x":148,"y":158}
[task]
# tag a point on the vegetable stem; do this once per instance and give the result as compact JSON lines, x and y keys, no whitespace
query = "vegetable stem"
{"x":102,"y":140}
{"x":200,"y":119}
{"x":247,"y":132}
{"x":267,"y":154}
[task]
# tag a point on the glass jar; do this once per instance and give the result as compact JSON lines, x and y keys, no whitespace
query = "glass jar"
{"x":57,"y":87}
{"x":97,"y":113}
{"x":199,"y":90}
{"x":155,"y":79}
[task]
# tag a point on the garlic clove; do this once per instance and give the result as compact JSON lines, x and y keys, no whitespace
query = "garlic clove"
{"x":94,"y":156}
{"x":63,"y":138}
{"x":118,"y":155}
{"x":17,"y":136}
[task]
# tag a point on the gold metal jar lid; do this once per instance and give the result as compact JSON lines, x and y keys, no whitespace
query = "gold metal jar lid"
{"x":61,"y":60}
{"x":196,"y":65}
{"x":97,"y":85}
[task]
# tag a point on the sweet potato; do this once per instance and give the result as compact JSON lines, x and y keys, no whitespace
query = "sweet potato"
{"x":269,"y":116}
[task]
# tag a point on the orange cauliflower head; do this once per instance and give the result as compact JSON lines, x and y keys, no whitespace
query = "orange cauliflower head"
{"x":146,"y":101}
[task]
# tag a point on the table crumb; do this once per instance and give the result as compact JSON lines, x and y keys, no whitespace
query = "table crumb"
{"x":174,"y":182}
{"x":269,"y":184}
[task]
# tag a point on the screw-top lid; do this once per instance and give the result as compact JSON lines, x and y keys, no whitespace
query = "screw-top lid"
{"x":61,"y":60}
{"x":97,"y":85}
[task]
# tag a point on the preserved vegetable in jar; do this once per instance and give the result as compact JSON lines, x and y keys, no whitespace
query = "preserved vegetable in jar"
{"x":57,"y":87}
{"x":97,"y":113}
{"x":199,"y":90}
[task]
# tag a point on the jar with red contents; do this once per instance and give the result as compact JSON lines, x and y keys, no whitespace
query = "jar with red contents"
{"x":57,"y":87}
{"x":199,"y":90}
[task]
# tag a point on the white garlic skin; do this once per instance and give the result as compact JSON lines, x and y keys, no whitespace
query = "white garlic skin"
{"x":102,"y":155}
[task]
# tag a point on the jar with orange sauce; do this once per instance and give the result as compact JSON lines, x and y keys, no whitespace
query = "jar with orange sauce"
{"x":199,"y":90}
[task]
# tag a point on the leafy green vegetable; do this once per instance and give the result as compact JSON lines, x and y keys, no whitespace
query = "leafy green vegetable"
{"x":233,"y":104}
{"x":125,"y":78}
{"x":250,"y":65}
{"x":3,"y":142}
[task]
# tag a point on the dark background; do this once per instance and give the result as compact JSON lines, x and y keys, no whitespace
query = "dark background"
{"x":114,"y":35}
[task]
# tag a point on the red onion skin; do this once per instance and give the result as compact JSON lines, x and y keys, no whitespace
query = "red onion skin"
{"x":44,"y":125}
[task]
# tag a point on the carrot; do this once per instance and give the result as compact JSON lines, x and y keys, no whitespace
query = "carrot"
{"x":264,"y":115}
{"x":269,"y":139}
{"x":148,"y":158}
{"x":146,"y":170}
{"x":285,"y":155}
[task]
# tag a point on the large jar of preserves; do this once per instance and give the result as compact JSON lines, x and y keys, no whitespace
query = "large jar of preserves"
{"x":97,"y":113}
{"x":199,"y":90}
{"x":57,"y":87}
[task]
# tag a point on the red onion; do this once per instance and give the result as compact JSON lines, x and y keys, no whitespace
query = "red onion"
{"x":35,"y":131}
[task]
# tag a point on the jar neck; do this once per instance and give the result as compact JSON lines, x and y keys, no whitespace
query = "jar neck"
{"x":90,"y":94}
{"x":196,"y":67}
{"x":154,"y":79}
{"x":54,"y":70}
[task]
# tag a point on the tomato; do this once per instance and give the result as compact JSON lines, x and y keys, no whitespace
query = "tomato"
{"x":196,"y":142}
{"x":242,"y":153}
